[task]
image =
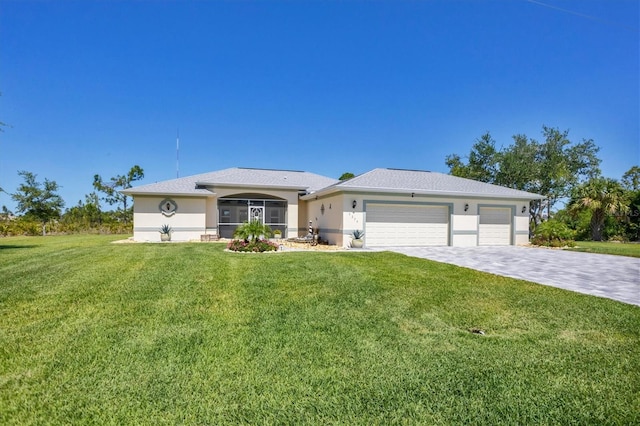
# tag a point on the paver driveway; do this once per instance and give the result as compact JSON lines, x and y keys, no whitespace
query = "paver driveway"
{"x":615,"y":277}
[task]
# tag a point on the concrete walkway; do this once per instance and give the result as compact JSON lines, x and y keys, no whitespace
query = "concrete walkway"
{"x":614,"y":277}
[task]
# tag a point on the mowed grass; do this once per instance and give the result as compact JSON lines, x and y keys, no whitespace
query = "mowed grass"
{"x":100,"y":333}
{"x":619,"y":249}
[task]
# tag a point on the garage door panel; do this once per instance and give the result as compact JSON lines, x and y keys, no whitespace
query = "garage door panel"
{"x":406,"y":214}
{"x":495,"y":216}
{"x":389,"y":225}
{"x":495,"y":235}
{"x":495,"y":226}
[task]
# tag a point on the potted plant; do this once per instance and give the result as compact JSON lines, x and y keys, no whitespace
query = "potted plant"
{"x":165,"y":233}
{"x":277,"y":234}
{"x":356,"y":241}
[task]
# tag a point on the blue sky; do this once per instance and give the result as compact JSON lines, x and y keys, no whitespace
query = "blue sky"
{"x":323,"y":86}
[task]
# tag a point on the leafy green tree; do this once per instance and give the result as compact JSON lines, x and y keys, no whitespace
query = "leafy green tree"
{"x":482,"y":164}
{"x":631,"y":183}
{"x":112,"y":190}
{"x":516,"y":164}
{"x":603,"y":198}
{"x":580,"y":222}
{"x":631,"y":179}
{"x":346,"y":175}
{"x":550,"y":168}
{"x":86,"y":215}
{"x":38,"y":201}
{"x":518,"y":168}
{"x":6,"y":213}
{"x":632,"y":230}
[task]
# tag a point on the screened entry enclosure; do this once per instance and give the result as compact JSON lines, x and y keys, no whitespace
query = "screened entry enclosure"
{"x":233,"y":212}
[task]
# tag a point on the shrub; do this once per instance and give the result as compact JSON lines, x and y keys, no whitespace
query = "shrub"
{"x":618,"y":239}
{"x":24,"y":226}
{"x":252,"y":231}
{"x":258,"y":246}
{"x":553,"y":233}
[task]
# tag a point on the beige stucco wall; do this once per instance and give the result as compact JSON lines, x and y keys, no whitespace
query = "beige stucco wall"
{"x":329,"y":222}
{"x":522,"y":224}
{"x":352,"y":218}
{"x":303,"y":221}
{"x":212,"y":216}
{"x":188,"y":222}
{"x":464,"y":225}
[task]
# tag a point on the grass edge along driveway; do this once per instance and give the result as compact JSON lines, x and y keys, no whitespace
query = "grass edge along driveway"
{"x":94,"y":332}
{"x":602,"y":247}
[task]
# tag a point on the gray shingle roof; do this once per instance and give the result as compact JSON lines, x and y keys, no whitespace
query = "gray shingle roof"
{"x":380,"y":180}
{"x":424,"y":182}
{"x":291,"y":179}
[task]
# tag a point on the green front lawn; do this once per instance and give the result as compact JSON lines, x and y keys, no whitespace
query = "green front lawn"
{"x":619,"y":249}
{"x":101,"y":333}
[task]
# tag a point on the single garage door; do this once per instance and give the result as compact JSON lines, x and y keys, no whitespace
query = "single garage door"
{"x":406,"y":225}
{"x":495,"y":226}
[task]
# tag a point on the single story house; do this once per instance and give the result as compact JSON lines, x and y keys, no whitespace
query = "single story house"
{"x":392,"y":206}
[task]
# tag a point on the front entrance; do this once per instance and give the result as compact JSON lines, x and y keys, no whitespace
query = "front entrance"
{"x":256,"y":213}
{"x":234,"y":211}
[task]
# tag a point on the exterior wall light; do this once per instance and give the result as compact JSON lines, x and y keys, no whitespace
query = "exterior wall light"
{"x":466,"y":207}
{"x":524,"y":209}
{"x":354,"y":204}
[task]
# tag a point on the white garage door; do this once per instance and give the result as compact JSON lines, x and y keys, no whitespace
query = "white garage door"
{"x":495,"y":226}
{"x":406,"y":225}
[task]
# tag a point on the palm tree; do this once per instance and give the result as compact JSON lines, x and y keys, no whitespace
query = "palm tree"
{"x":602,"y":197}
{"x":252,"y":231}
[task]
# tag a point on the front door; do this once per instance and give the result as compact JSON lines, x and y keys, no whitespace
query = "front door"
{"x":256,"y":213}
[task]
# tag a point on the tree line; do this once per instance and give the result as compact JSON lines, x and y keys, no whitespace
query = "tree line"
{"x":595,"y":207}
{"x":39,"y":207}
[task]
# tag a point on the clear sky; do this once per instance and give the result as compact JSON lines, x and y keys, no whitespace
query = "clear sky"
{"x":323,"y":86}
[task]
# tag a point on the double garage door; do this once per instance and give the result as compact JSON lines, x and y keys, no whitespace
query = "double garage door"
{"x":407,"y":225}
